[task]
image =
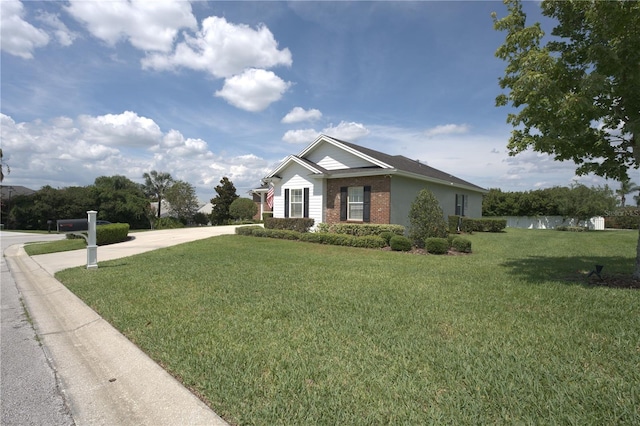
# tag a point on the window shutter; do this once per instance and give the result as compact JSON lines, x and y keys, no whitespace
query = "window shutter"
{"x":286,"y":203}
{"x":343,"y":202}
{"x":366,"y":205}
{"x":457,"y":207}
{"x":305,"y":207}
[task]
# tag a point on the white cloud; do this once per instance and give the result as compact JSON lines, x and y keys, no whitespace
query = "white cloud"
{"x":66,"y":152}
{"x":447,"y":129}
{"x":63,"y":34}
{"x":223,"y":49}
{"x":299,"y":114}
{"x":300,"y":136}
{"x":126,"y":129}
{"x":147,"y":25}
{"x":17,"y":36}
{"x":253,"y":90}
{"x":348,"y":131}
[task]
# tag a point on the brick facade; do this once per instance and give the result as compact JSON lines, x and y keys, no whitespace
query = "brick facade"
{"x":380,"y":197}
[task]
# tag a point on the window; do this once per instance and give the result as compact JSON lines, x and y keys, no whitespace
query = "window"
{"x":296,"y":203}
{"x":461,"y":204}
{"x":355,"y":203}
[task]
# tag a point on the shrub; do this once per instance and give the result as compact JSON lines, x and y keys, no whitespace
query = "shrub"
{"x":426,"y":218}
{"x":266,"y":215}
{"x":243,"y":209}
{"x":461,"y":245}
{"x":322,"y":227}
{"x":106,"y":234}
{"x":362,"y":229}
{"x":168,"y":223}
{"x":571,"y":228}
{"x":469,"y":225}
{"x":400,"y":243}
{"x":246,"y":230}
{"x":386,"y":236}
{"x":436,"y":245}
{"x":291,"y":223}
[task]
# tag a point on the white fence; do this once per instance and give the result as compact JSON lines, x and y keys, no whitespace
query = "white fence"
{"x":550,"y":222}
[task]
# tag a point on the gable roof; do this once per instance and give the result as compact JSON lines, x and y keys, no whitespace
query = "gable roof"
{"x":380,"y":163}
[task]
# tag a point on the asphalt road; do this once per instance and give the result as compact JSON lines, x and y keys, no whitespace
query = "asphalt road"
{"x":29,"y":391}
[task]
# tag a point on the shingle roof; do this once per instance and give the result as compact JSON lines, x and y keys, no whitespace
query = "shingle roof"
{"x":408,"y":165}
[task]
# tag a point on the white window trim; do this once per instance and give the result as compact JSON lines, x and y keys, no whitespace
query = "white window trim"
{"x":292,"y":203}
{"x":350,"y":203}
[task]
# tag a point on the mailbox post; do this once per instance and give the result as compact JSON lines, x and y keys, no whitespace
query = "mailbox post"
{"x":92,"y":248}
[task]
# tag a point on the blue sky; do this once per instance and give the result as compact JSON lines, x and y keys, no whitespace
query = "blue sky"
{"x":204,"y":90}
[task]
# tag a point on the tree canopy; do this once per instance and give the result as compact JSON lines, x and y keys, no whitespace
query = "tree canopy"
{"x":226,"y":195}
{"x":576,"y":94}
{"x":155,"y":185}
{"x":183,"y":200}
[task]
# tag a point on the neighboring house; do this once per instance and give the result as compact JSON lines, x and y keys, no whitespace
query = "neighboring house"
{"x":335,"y":181}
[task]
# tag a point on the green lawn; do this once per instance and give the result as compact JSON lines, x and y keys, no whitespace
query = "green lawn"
{"x":281,"y":332}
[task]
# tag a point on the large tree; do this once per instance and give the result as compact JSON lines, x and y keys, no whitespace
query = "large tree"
{"x":226,"y":195}
{"x":155,"y":185}
{"x":183,"y":200}
{"x":575,"y":95}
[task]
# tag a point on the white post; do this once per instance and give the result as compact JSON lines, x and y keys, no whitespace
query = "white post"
{"x":92,"y":248}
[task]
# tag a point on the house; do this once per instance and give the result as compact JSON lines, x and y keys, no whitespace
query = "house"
{"x":335,"y":181}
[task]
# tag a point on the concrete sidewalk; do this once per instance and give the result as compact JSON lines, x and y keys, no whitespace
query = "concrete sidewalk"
{"x":106,"y":379}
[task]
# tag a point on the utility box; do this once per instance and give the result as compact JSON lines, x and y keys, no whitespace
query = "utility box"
{"x":72,"y":225}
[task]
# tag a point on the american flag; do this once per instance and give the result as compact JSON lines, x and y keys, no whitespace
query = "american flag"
{"x":270,"y":197}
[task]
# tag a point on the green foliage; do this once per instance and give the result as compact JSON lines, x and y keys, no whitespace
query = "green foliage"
{"x":243,"y":209}
{"x":469,"y":225}
{"x":400,"y":243}
{"x":386,"y":236}
{"x":362,"y":229}
{"x":576,"y":94}
{"x":368,"y":241}
{"x":120,"y":200}
{"x":115,"y":198}
{"x":155,"y":186}
{"x":113,"y":233}
{"x":168,"y":223}
{"x":226,"y":195}
{"x":292,"y":223}
{"x":426,"y":218}
{"x":182,"y":198}
{"x":571,"y":228}
{"x":436,"y":245}
{"x":200,"y":218}
{"x":461,"y":245}
{"x":556,"y":201}
{"x":266,"y":215}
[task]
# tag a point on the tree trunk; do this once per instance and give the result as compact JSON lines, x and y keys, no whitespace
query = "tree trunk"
{"x":159,"y":205}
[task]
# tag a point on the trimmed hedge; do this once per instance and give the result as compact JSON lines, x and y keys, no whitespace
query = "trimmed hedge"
{"x":469,"y":225}
{"x":367,"y":241}
{"x":436,"y":245}
{"x":290,"y":223}
{"x":461,"y":245}
{"x":400,"y":243}
{"x":361,"y":229}
{"x":107,"y":234}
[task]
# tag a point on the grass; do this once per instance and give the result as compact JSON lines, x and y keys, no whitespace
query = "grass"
{"x":281,"y":332}
{"x":34,"y":249}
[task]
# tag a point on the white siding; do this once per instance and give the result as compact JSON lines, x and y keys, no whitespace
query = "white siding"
{"x":296,"y":177}
{"x":332,"y":158}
